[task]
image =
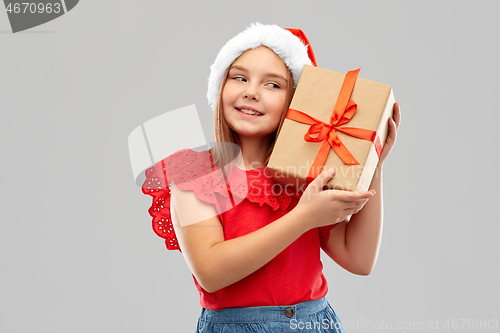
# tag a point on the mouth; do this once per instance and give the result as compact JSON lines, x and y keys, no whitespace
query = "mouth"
{"x":249,"y":111}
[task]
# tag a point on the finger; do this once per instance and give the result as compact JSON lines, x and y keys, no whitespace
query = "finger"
{"x":356,"y":202}
{"x":397,"y":115}
{"x":355,"y":205}
{"x":348,"y":196}
{"x":393,"y":128}
{"x":348,"y":212}
{"x":323,"y":178}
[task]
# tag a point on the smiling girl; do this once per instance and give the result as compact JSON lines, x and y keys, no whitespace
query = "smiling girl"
{"x":255,"y":255}
{"x":253,"y":101}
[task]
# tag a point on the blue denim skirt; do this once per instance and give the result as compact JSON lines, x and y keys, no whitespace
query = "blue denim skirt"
{"x":309,"y":316}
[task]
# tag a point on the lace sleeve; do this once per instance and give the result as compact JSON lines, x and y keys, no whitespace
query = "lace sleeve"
{"x":156,"y":185}
{"x":189,"y":171}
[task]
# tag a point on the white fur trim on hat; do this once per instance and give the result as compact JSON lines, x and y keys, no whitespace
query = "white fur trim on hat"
{"x":285,"y":44}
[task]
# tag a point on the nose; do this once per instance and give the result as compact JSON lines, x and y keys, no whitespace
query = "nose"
{"x":251,"y":92}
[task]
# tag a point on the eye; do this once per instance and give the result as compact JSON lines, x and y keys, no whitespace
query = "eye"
{"x":273,"y":85}
{"x":240,"y":78}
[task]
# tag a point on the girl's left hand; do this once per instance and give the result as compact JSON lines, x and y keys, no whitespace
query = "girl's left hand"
{"x":391,"y":136}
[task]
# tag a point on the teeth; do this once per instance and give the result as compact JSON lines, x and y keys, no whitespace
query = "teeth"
{"x":250,"y":112}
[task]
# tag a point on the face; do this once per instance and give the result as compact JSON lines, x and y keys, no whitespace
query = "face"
{"x":255,"y":93}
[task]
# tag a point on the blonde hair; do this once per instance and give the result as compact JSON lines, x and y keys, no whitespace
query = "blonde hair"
{"x":224,"y":154}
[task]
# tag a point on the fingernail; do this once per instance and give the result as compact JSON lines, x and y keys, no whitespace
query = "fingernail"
{"x":330,"y":170}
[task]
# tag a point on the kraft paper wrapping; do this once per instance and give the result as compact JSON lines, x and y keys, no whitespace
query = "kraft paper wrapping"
{"x":316,"y":94}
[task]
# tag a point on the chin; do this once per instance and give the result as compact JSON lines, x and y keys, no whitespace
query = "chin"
{"x":255,"y":136}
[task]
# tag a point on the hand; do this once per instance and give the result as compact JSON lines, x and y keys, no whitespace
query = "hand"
{"x":391,"y":136}
{"x":320,"y":207}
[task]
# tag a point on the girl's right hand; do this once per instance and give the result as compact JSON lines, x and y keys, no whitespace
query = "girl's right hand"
{"x":321,"y":207}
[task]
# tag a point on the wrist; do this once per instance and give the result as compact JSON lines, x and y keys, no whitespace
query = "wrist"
{"x":300,"y":219}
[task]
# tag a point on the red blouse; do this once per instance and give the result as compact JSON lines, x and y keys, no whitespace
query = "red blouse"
{"x":245,"y":201}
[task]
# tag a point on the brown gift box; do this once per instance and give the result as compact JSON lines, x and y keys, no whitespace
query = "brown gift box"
{"x":316,"y":95}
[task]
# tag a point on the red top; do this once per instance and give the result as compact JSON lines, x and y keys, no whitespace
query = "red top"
{"x":249,"y":201}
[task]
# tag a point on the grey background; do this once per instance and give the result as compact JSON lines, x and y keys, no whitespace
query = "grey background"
{"x":77,"y":253}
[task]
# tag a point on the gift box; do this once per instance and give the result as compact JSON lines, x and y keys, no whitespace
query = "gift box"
{"x":334,"y":120}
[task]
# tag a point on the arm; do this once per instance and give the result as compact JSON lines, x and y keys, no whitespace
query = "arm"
{"x":354,"y":245}
{"x":217,"y":263}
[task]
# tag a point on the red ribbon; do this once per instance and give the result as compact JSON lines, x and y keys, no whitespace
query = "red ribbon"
{"x":343,"y":112}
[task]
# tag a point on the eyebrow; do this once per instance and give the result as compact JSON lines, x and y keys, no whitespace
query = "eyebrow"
{"x":267,"y":74}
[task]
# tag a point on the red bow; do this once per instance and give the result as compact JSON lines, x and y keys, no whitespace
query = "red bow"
{"x":343,"y":112}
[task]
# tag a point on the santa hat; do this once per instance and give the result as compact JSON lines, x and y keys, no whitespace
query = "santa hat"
{"x":291,"y":45}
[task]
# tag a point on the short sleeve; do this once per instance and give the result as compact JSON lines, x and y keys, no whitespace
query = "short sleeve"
{"x":189,"y":171}
{"x":156,"y":185}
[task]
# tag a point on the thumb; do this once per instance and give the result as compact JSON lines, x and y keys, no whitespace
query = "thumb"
{"x":322,"y":179}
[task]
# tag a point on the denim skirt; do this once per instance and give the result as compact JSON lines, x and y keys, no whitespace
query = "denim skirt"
{"x":309,"y":316}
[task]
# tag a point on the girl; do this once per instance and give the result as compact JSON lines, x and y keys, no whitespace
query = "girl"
{"x":254,"y":254}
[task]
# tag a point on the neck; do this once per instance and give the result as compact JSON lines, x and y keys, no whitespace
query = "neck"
{"x":254,"y":152}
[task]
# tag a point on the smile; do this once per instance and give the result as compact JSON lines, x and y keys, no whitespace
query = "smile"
{"x":250,"y":112}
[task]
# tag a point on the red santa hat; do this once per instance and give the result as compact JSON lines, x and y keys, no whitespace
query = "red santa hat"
{"x":291,"y":45}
